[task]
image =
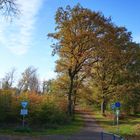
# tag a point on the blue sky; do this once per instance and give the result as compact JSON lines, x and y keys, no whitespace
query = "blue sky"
{"x":24,"y":42}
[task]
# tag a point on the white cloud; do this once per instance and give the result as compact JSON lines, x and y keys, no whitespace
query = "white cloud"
{"x":17,"y":36}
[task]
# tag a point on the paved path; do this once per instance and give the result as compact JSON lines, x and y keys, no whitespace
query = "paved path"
{"x":90,"y":131}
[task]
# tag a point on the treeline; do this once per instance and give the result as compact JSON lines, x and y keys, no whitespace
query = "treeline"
{"x":28,"y":81}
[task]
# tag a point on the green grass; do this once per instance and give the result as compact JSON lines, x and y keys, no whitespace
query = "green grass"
{"x":129,"y":126}
{"x":71,"y":128}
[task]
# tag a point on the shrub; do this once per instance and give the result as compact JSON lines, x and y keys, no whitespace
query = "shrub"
{"x":48,"y":110}
{"x":52,"y":114}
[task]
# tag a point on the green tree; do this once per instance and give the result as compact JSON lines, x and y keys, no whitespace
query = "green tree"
{"x":129,"y":83}
{"x":105,"y":72}
{"x":48,"y":86}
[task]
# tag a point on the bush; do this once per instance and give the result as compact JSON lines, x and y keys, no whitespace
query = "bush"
{"x":6,"y":110}
{"x":48,"y":110}
{"x":51,"y":114}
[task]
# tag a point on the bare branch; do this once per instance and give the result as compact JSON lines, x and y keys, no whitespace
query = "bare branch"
{"x":9,"y":8}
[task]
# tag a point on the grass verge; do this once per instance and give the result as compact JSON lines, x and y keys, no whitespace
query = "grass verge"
{"x":71,"y":128}
{"x":128,"y":126}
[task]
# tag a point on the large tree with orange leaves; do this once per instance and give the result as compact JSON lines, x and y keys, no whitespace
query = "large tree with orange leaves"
{"x":78,"y":34}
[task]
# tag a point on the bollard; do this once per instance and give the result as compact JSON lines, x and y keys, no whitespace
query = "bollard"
{"x":102,"y":136}
{"x":114,"y":137}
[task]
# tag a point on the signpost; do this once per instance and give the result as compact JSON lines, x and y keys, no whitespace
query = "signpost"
{"x":113,"y":109}
{"x":116,"y":109}
{"x":117,"y":114}
{"x":118,"y":105}
{"x":24,"y":111}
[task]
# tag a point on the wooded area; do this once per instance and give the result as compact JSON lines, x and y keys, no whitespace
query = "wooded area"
{"x":98,"y":64}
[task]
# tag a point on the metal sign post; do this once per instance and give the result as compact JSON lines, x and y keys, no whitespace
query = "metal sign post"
{"x":23,"y":122}
{"x":113,"y":109}
{"x":24,"y":111}
{"x":117,"y":105}
{"x":118,"y":113}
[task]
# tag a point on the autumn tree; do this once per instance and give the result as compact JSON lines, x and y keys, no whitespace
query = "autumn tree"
{"x":60,"y":84}
{"x":78,"y":33}
{"x":29,"y":80}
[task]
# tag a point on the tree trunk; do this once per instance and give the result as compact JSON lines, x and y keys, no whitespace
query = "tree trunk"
{"x":103,"y":107}
{"x":70,"y":103}
{"x":74,"y":101}
{"x":135,"y":109}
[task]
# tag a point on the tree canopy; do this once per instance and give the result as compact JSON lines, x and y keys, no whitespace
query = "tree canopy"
{"x":90,"y":46}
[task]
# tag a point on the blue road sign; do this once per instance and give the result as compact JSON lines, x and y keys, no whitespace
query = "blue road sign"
{"x":23,"y":112}
{"x":117,"y":104}
{"x":24,"y":104}
{"x":112,"y":106}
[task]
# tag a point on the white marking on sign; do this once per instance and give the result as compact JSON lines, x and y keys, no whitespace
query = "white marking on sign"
{"x":24,"y":104}
{"x":117,"y":112}
{"x":23,"y":112}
